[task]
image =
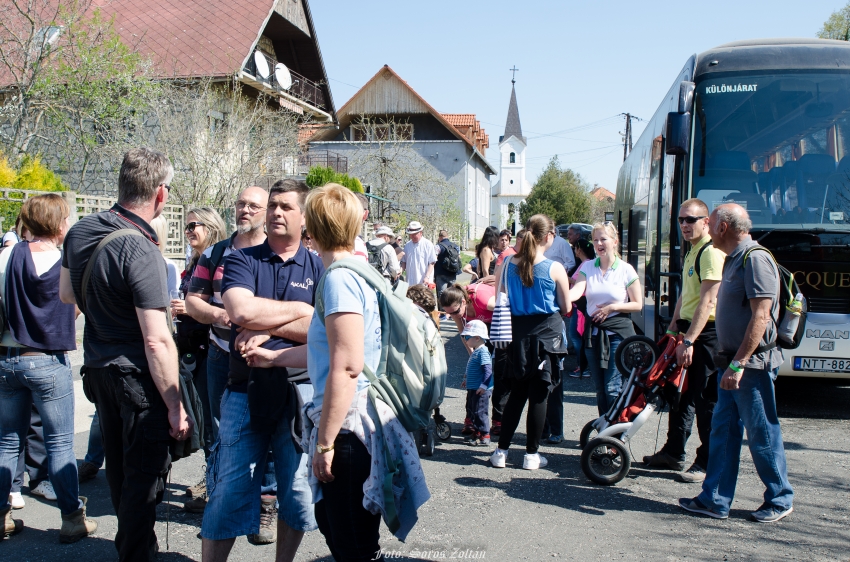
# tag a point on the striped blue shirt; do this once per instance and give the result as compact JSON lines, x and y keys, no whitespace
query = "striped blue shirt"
{"x":479,"y":369}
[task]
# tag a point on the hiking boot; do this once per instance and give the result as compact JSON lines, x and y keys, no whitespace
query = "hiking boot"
{"x":17,"y":500}
{"x":498,"y":458}
{"x":663,"y":459}
{"x":268,"y":522}
{"x":87,"y":471}
{"x":75,"y":525}
{"x":496,"y":428}
{"x":533,"y":462}
{"x":199,"y":489}
{"x":695,"y":506}
{"x":45,"y":490}
{"x":692,"y":475}
{"x":197,"y":504}
{"x":769,"y":514}
{"x":467,"y":427}
{"x":478,"y":439}
{"x":12,"y":526}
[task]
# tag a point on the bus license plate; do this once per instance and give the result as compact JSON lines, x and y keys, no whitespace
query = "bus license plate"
{"x":822,"y":365}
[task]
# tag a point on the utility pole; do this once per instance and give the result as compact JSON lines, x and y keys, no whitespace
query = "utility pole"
{"x":627,"y":136}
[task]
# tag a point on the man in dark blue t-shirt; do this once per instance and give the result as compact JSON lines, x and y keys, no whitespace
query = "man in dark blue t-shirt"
{"x":268,"y":292}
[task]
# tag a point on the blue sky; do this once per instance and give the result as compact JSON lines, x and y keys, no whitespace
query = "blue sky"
{"x":581,"y":63}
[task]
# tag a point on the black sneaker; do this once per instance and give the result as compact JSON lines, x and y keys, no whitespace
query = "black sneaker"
{"x":695,"y":506}
{"x":575,"y":373}
{"x":664,"y":460}
{"x":769,"y":513}
{"x":692,"y":475}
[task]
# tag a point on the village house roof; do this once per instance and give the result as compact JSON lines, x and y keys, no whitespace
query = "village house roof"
{"x":601,"y":194}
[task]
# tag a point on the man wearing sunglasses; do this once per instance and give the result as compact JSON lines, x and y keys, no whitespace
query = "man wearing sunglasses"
{"x":694,"y":317}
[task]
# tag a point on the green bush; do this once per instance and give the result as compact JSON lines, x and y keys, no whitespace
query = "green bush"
{"x":31,"y":175}
{"x":319,"y":176}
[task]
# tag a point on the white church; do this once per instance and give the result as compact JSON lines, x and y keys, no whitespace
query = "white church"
{"x":512,"y":187}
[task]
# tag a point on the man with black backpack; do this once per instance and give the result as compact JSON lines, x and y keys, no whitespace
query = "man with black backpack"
{"x":748,"y":360}
{"x":382,"y":255}
{"x":694,"y":317}
{"x":447,"y":267}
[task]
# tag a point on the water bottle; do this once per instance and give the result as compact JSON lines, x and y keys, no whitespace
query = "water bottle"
{"x":189,"y":362}
{"x":788,"y":327}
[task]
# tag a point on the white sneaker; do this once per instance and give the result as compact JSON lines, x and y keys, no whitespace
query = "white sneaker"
{"x":533,"y":462}
{"x":17,"y":500}
{"x":45,"y":490}
{"x":498,"y":458}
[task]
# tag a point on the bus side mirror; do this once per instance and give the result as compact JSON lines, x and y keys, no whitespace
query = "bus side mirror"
{"x":686,"y":96}
{"x":678,"y":133}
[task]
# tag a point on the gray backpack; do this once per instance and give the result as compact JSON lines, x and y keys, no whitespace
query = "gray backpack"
{"x":411,"y":376}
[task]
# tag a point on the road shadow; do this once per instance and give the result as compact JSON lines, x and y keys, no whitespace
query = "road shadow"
{"x":798,"y":397}
{"x":37,"y":545}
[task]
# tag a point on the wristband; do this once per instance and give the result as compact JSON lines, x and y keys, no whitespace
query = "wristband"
{"x":672,"y":333}
{"x":735,"y":369}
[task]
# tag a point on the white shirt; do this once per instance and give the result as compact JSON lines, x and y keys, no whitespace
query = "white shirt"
{"x":561,"y":252}
{"x":608,"y":288}
{"x":417,"y":257}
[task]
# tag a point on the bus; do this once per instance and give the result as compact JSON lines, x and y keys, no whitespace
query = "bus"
{"x":765,"y":124}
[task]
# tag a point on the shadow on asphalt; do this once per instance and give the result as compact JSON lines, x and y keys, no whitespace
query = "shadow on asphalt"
{"x":798,"y":397}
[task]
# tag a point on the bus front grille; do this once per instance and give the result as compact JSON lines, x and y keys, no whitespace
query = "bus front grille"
{"x":830,"y":305}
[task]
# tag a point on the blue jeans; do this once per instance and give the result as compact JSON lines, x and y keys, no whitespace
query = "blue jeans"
{"x":234,"y":474}
{"x":576,"y":340}
{"x":94,"y":453}
{"x":607,"y":381}
{"x":752,"y":406}
{"x":218,"y":367}
{"x":46,"y":381}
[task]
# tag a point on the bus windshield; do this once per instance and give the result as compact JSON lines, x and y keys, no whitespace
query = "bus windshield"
{"x":778,"y":145}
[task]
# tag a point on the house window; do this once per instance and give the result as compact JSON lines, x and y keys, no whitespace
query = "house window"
{"x":513,"y":157}
{"x":404,"y":131}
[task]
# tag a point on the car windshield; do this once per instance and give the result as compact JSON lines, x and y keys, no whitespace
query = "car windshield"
{"x":778,"y":145}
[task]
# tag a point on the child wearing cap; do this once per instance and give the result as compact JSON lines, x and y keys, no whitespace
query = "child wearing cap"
{"x":478,"y":382}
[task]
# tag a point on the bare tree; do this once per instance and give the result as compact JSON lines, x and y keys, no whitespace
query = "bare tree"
{"x":409,"y":187}
{"x":219,"y":139}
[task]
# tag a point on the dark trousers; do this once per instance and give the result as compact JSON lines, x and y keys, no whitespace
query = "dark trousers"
{"x":479,"y":406}
{"x":501,"y":384}
{"x":442,"y":281}
{"x":698,"y":400}
{"x":34,"y":459}
{"x":535,"y":392}
{"x":554,"y":424}
{"x":134,"y":423}
{"x":351,"y":532}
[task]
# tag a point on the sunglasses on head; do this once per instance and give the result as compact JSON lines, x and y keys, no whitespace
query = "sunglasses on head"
{"x":690,"y":220}
{"x":190,"y":227}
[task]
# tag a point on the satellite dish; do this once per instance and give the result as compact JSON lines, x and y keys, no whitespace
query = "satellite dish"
{"x":281,"y":74}
{"x":261,"y":64}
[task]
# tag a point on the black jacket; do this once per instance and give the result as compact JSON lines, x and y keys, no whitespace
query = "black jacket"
{"x":599,"y":344}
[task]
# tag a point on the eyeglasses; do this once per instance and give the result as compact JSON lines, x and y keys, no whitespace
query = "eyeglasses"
{"x":467,"y":338}
{"x":452,"y":312}
{"x":252,"y":207}
{"x":690,"y":220}
{"x":190,"y":227}
{"x":167,"y":187}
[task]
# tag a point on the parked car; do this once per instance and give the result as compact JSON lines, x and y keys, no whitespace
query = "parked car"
{"x":585,"y":229}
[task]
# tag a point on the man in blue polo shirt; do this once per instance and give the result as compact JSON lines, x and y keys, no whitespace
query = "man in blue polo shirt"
{"x":268,"y":292}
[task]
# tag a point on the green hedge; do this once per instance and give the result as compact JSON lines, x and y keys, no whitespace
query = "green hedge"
{"x":320,"y":175}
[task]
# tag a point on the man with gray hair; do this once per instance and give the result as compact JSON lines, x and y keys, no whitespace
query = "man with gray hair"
{"x":748,"y":361}
{"x":130,"y":370}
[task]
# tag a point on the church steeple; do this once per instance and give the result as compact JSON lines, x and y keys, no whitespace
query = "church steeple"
{"x":513,"y":127}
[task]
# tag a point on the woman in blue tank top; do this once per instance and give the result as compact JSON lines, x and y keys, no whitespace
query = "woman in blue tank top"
{"x":34,"y":365}
{"x":538,"y":291}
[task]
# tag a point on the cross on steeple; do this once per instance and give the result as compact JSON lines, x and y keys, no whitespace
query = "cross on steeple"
{"x":513,"y":70}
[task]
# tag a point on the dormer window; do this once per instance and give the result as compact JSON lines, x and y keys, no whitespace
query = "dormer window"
{"x":513,"y":158}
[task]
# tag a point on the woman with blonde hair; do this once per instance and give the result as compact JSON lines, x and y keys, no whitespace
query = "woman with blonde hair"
{"x":612,"y":290}
{"x":537,"y":289}
{"x":340,"y":431}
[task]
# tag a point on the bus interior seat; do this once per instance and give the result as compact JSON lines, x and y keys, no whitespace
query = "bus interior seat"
{"x":812,"y":173}
{"x":731,"y":160}
{"x":764,"y":185}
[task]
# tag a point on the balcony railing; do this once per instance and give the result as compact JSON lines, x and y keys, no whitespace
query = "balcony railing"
{"x":300,"y":87}
{"x":323,"y":158}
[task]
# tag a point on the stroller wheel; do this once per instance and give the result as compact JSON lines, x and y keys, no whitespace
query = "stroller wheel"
{"x":588,"y":432}
{"x":636,"y":352}
{"x":430,"y":443}
{"x":605,"y":460}
{"x":444,"y":431}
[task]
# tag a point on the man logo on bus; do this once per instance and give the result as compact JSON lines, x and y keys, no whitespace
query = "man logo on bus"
{"x":729,"y":88}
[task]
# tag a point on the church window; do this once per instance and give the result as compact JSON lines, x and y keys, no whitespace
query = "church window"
{"x":513,"y":157}
{"x":512,"y":182}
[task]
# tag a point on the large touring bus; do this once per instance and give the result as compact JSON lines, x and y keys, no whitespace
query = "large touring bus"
{"x":765,"y":124}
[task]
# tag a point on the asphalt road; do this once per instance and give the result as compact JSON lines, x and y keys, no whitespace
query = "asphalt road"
{"x":478,"y":512}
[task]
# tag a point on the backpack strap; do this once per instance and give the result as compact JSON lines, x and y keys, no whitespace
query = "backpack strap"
{"x":697,"y":267}
{"x":90,"y":265}
{"x":745,"y":301}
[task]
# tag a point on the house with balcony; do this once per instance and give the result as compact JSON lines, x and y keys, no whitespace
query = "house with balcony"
{"x":392,"y":138}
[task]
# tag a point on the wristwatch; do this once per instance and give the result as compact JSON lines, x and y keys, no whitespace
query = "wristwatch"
{"x":322,"y":450}
{"x":687,"y":343}
{"x":737,"y":366}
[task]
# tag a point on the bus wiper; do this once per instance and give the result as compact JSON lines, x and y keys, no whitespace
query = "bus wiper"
{"x":842,"y":246}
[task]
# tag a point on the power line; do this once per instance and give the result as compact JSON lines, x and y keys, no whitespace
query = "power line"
{"x":627,"y":136}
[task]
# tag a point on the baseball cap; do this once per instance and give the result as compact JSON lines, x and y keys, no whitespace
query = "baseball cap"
{"x":413,"y":227}
{"x":475,"y":328}
{"x":384,"y":230}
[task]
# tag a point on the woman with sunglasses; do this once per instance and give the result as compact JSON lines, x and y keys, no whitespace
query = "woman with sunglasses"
{"x":204,"y":227}
{"x":613,"y":291}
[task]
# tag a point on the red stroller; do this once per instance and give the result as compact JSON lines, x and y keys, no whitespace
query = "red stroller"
{"x":653,"y":380}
